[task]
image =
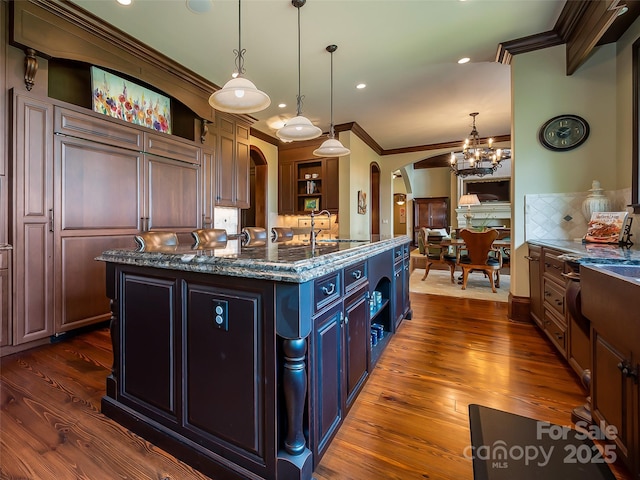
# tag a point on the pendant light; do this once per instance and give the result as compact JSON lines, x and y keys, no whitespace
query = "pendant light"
{"x":239,"y":95}
{"x":332,"y":146}
{"x":299,"y":127}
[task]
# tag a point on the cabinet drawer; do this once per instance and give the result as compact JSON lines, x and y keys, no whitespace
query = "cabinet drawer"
{"x":100,"y":130}
{"x":553,"y":266}
{"x":555,"y":331}
{"x":554,"y":296}
{"x":398,"y":253}
{"x":355,"y":275}
{"x":171,"y":148}
{"x":326,"y":290}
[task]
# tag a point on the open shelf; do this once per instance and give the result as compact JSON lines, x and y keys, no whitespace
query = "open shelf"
{"x":379,"y":310}
{"x":376,"y":350}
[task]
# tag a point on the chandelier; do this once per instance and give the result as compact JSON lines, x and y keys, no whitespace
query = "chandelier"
{"x":476,"y":159}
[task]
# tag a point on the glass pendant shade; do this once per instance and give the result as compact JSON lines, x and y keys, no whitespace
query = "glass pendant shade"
{"x":239,"y":95}
{"x":298,"y":128}
{"x":331,"y":148}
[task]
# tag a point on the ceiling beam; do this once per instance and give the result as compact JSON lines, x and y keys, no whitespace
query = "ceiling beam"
{"x":582,"y":25}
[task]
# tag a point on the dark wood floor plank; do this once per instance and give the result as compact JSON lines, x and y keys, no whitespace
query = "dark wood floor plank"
{"x":409,"y":422}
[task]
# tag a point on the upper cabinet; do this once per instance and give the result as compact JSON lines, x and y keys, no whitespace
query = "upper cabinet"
{"x":306,"y":182}
{"x":232,"y":163}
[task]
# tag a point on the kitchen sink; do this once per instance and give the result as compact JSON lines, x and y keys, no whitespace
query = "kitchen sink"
{"x":630,"y":272}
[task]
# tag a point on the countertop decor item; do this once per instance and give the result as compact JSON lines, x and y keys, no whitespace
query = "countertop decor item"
{"x":239,"y":95}
{"x":564,"y":132}
{"x":596,"y":201}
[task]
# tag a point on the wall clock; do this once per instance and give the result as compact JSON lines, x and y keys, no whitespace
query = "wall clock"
{"x":563,"y":132}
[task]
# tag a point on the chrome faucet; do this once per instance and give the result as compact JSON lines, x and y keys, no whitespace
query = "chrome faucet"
{"x":314,"y":233}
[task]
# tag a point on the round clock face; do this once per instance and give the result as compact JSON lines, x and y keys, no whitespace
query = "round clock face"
{"x":564,"y":132}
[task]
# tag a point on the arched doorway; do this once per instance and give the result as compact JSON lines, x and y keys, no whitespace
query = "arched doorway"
{"x":374,"y":188}
{"x":256,"y":214}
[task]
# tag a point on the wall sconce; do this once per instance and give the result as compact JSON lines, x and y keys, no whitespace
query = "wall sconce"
{"x":400,"y":198}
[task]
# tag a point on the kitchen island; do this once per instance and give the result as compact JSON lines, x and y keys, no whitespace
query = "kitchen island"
{"x":244,"y":360}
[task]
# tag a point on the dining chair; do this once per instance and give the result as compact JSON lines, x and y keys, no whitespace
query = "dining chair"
{"x":209,"y":237}
{"x":478,"y":246}
{"x":436,"y":253}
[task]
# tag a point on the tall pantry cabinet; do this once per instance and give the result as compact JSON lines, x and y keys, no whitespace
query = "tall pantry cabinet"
{"x":84,"y":184}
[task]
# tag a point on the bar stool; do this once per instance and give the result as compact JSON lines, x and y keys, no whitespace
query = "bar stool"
{"x":150,"y":240}
{"x":254,"y":236}
{"x":281,"y":234}
{"x":209,"y":237}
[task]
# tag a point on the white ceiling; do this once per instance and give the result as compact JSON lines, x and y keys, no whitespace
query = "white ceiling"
{"x":406,"y":51}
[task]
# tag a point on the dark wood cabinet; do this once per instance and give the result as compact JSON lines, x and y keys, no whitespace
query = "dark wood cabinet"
{"x":32,"y":227}
{"x":5,"y":298}
{"x":232,"y":163}
{"x":356,"y":341}
{"x":611,"y":303}
{"x":84,"y":184}
{"x":430,"y":213}
{"x":401,"y":284}
{"x":535,"y":284}
{"x":326,"y":378}
{"x":303,"y":177}
{"x":554,"y":321}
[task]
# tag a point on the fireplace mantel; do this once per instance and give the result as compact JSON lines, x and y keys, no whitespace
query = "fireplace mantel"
{"x":491,"y":214}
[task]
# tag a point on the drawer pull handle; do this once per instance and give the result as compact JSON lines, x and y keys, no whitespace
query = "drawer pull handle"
{"x":330,"y":290}
{"x":357,"y":274}
{"x":627,"y":370}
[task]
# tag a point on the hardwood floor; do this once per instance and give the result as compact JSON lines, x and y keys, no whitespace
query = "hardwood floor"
{"x":409,"y":422}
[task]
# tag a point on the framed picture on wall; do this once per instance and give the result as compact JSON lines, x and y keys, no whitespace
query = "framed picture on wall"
{"x":120,"y":98}
{"x":362,"y":202}
{"x":311,"y":204}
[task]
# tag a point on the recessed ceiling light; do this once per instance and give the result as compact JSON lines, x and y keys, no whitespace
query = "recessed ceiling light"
{"x":199,"y":6}
{"x":124,"y":2}
{"x":361,"y":86}
{"x":463,"y":60}
{"x":282,"y":105}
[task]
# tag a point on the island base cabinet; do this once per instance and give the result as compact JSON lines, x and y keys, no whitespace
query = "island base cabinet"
{"x":340,"y":347}
{"x":194,"y":364}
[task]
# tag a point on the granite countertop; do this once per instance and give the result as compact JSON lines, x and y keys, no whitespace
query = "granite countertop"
{"x":594,"y":253}
{"x":287,"y":261}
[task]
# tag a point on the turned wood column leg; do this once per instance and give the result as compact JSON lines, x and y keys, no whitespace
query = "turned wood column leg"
{"x":30,"y":68}
{"x":294,"y":379}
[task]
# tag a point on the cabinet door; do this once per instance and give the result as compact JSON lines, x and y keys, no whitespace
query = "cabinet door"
{"x":5,"y":323}
{"x":173,"y":195}
{"x":331,"y":193}
{"x":399,"y":289}
{"x":535,"y":284}
{"x":326,"y":379}
{"x":287,"y":184}
{"x":242,"y":164}
{"x":357,"y":334}
{"x":225,"y":164}
{"x":33,"y":220}
{"x":98,"y":207}
{"x":612,"y":392}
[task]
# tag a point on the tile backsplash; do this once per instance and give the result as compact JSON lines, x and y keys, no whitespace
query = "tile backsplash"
{"x":558,"y":216}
